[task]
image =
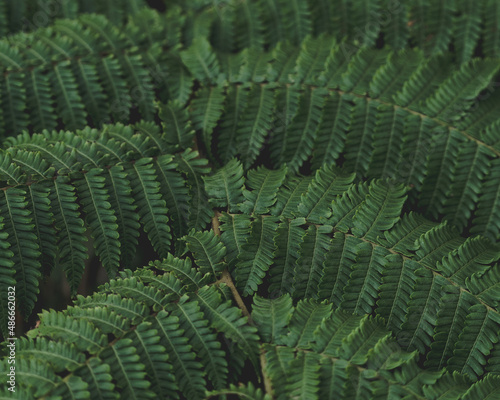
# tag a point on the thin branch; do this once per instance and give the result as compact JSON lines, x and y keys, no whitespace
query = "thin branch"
{"x":263,"y":365}
{"x":216,"y":223}
{"x":226,"y":278}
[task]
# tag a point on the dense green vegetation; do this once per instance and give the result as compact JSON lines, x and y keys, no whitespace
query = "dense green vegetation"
{"x":286,"y":199}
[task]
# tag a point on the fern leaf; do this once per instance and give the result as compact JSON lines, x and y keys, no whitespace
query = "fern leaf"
{"x":490,"y":33}
{"x":225,"y":187}
{"x":39,"y":204}
{"x":418,"y":328}
{"x":58,"y":326}
{"x":203,"y":340}
{"x":467,"y":37}
{"x":326,"y":186}
{"x":289,"y":239}
{"x":425,"y":81}
{"x":182,"y":270}
{"x":332,"y":130}
{"x":93,"y":96}
{"x":14,"y":102}
{"x":472,"y":257}
{"x":174,"y":192}
{"x":436,"y":22}
{"x":371,"y":219}
{"x":485,"y":221}
{"x":311,"y":59}
{"x":255,"y":123}
{"x":456,"y":93}
{"x":227,"y":319}
{"x":132,"y":310}
{"x":154,"y":357}
{"x":111,"y":73}
{"x":303,"y":381}
{"x":125,"y":210}
{"x":264,"y":184}
{"x":450,"y":322}
{"x":436,"y":243}
{"x":388,"y":142}
{"x":300,"y":134}
{"x":402,"y":237}
{"x":254,"y":65}
{"x":418,"y":136}
{"x":186,"y":368}
{"x":359,"y":141}
{"x":43,"y":380}
{"x":367,"y":335}
{"x":133,"y":286}
{"x":309,"y":268}
{"x":346,"y":205}
{"x":193,"y":167}
{"x":205,"y":111}
{"x":208,"y":251}
{"x":235,"y":231}
{"x":235,"y":103}
{"x":306,"y":317}
{"x":475,"y":342}
{"x":398,"y":283}
{"x":139,"y":79}
{"x":249,"y":27}
{"x":23,"y":242}
{"x":296,"y":17}
{"x":61,"y":355}
{"x":70,"y":230}
{"x":99,"y":380}
{"x":256,"y":255}
{"x":338,"y":267}
{"x":272,"y":316}
{"x":176,"y":125}
{"x":484,"y":388}
{"x":361,"y":68}
{"x":107,"y":322}
{"x":123,"y":359}
{"x":100,"y":218}
{"x":361,"y":291}
{"x":201,"y":60}
{"x":289,"y":195}
{"x":151,"y":207}
{"x":485,"y":285}
{"x":66,"y":91}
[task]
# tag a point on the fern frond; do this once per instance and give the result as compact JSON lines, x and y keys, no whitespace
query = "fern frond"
{"x":208,"y":251}
{"x":225,"y":187}
{"x":151,"y":207}
{"x":20,"y":234}
{"x":380,"y":211}
{"x":255,"y":123}
{"x":326,"y":186}
{"x":264,"y":184}
{"x":256,"y":255}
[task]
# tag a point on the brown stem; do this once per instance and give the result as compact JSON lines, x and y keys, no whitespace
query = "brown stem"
{"x":226,"y":278}
{"x":263,"y":365}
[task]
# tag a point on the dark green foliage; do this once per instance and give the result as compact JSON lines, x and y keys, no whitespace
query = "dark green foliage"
{"x":469,"y":28}
{"x":412,"y":128}
{"x":155,"y":357}
{"x":87,"y":70}
{"x":284,"y":153}
{"x":109,"y":182}
{"x":27,"y":15}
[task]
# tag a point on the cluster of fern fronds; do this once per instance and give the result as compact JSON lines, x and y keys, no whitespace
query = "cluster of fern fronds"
{"x":319,"y":181}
